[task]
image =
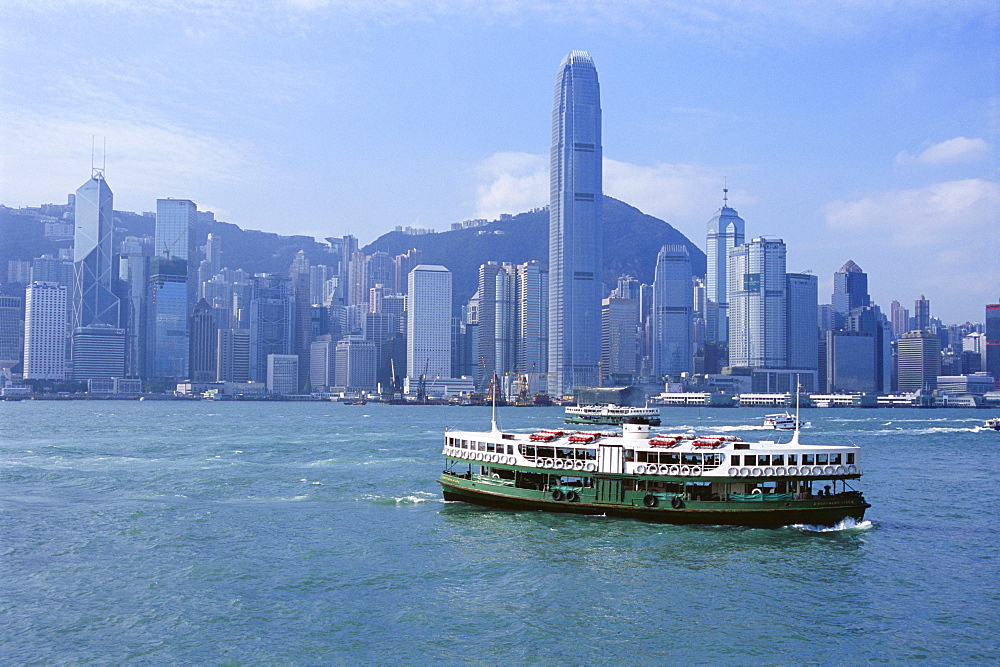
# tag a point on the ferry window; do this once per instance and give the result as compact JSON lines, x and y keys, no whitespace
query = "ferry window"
{"x":489,"y":446}
{"x":672,"y":458}
{"x":564,"y":453}
{"x":547,"y":452}
{"x":763,"y":460}
{"x":750,"y":460}
{"x":691,"y":459}
{"x":807,"y":459}
{"x":713,"y":459}
{"x":735,"y":459}
{"x":835,"y":459}
{"x":793,"y":459}
{"x":630,"y":455}
{"x":482,"y":446}
{"x":822,"y":459}
{"x":591,"y":454}
{"x":778,"y":460}
{"x":510,"y":449}
{"x":652,"y":457}
{"x":462,"y":444}
{"x":850,"y":459}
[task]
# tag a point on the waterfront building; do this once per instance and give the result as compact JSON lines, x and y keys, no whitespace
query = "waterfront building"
{"x":850,"y":362}
{"x":98,"y":352}
{"x":725,"y":232}
{"x":204,"y":343}
{"x":575,"y":206}
{"x":758,"y":305}
{"x":918,"y":355}
{"x":672,"y":319}
{"x":11,"y":344}
{"x":428,"y":322}
{"x":532,"y":321}
{"x":45,"y":331}
{"x":172,"y":290}
{"x":233,"y":355}
{"x":619,"y":343}
{"x":95,"y":268}
{"x":282,"y":374}
{"x":496,"y":320}
{"x":802,"y":335}
{"x":991,"y":355}
{"x":271,"y":321}
{"x":356,"y":364}
{"x":322,"y":368}
{"x":133,"y":271}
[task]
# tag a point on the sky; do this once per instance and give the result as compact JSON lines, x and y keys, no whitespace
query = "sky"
{"x":864,"y":130}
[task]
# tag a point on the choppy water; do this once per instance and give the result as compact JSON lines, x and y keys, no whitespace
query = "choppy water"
{"x":161,"y":532}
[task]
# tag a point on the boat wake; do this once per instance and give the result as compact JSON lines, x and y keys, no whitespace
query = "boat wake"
{"x":846,"y":524}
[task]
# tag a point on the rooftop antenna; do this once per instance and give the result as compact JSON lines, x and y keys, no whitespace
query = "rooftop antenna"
{"x":725,"y":192}
{"x":493,"y":418}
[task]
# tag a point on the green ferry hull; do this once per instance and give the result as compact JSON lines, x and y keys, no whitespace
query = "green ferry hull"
{"x":759,"y":514}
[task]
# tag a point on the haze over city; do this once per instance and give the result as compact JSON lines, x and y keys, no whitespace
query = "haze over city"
{"x":866,"y":132}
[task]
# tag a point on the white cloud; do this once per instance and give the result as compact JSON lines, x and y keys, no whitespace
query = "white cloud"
{"x":959,"y":149}
{"x":937,"y":215}
{"x":511,"y":183}
{"x":146,"y":159}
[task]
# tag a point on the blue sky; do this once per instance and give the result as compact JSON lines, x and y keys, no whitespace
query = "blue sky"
{"x":864,"y":130}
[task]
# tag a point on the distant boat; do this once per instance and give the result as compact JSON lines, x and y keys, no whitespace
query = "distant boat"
{"x":993,"y":424}
{"x":610,"y":414}
{"x":359,"y":401}
{"x":782,"y":422}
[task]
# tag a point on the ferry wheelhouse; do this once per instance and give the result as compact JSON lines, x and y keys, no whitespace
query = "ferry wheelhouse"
{"x":610,"y":414}
{"x":668,"y":478}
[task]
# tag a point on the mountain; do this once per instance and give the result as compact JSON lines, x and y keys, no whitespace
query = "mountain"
{"x":632,"y":240}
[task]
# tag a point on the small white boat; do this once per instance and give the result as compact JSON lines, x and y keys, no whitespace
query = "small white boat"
{"x":781,"y":422}
{"x":993,"y":424}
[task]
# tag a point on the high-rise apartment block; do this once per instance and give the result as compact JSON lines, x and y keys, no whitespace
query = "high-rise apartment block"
{"x":45,"y":331}
{"x":575,"y":208}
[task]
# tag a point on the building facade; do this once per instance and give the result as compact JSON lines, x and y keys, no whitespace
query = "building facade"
{"x":758,"y":305}
{"x":575,"y":209}
{"x":672,"y":319}
{"x":428,"y":322}
{"x":725,"y":232}
{"x":45,"y":331}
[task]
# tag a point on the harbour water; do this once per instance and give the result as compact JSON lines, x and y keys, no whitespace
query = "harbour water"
{"x":306,"y":533}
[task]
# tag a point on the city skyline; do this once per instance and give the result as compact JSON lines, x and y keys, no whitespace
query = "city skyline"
{"x":829,"y":122}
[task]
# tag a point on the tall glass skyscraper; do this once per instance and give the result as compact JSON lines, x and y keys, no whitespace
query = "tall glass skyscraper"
{"x":757,"y":305}
{"x":725,"y":232}
{"x":95,"y":262}
{"x":172,"y":289}
{"x":673,"y":312}
{"x":575,"y":199}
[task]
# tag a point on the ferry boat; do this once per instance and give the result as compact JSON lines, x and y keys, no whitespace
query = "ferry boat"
{"x":668,"y":478}
{"x":780,"y":422}
{"x":610,"y":414}
{"x":993,"y":424}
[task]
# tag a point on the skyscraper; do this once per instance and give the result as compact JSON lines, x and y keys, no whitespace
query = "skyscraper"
{"x":725,"y":232}
{"x":673,"y":312}
{"x":802,"y":337}
{"x":204,"y":343}
{"x":428,"y":322}
{"x":45,"y":331}
{"x":271,"y":322}
{"x":10,"y":332}
{"x":922,"y":314}
{"x":172,"y":289}
{"x":918,"y":360}
{"x":991,"y":354}
{"x":757,"y":305}
{"x":95,"y":262}
{"x":575,"y":203}
{"x":850,"y":291}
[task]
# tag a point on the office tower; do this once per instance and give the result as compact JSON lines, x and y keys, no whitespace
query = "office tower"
{"x":575,"y":205}
{"x":282,"y":373}
{"x":321,"y":285}
{"x":850,"y":362}
{"x":496,"y":319}
{"x":850,"y":291}
{"x":233,"y":355}
{"x":428,"y":322}
{"x":303,"y":325}
{"x":918,"y":355}
{"x":992,"y":351}
{"x":271,"y":322}
{"x":94,"y":259}
{"x":402,"y":265}
{"x":322,"y":368}
{"x":98,"y":352}
{"x":134,"y":273}
{"x":619,"y":343}
{"x":171,"y":290}
{"x":922,"y":314}
{"x":11,"y":344}
{"x":379,"y":269}
{"x":900,"y":318}
{"x":95,"y":262}
{"x":869,"y":321}
{"x":45,"y":331}
{"x":802,"y":332}
{"x":672,"y":319}
{"x":213,"y":252}
{"x":532,"y":321}
{"x":757,"y":304}
{"x":300,"y":264}
{"x":204,"y":343}
{"x":356,"y":361}
{"x":725,"y":232}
